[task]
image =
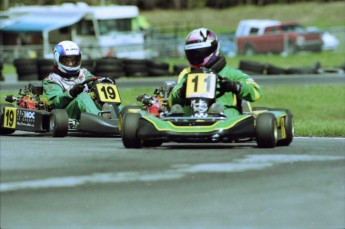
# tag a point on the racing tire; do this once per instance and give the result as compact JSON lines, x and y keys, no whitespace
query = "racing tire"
{"x":266,"y":130}
{"x":252,"y":67}
{"x":129,"y":131}
{"x":5,"y":131}
{"x":289,"y":129}
{"x":274,"y":70}
{"x":124,"y":110}
{"x":152,"y":143}
{"x":58,"y":124}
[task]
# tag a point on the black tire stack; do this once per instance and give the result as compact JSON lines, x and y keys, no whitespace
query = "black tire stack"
{"x":88,"y":64}
{"x":44,"y":67}
{"x":1,"y":68}
{"x":135,"y":67}
{"x":109,"y":67}
{"x":158,"y":68}
{"x":26,"y":69}
{"x":252,"y":67}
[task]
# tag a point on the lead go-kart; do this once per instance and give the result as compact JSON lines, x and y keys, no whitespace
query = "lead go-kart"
{"x":153,"y":123}
{"x":34,"y":114}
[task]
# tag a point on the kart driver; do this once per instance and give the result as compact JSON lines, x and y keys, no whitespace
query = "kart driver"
{"x":202,"y":51}
{"x":63,"y":86}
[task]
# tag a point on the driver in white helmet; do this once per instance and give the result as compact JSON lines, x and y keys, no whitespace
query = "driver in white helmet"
{"x":202,"y":51}
{"x":63,"y":86}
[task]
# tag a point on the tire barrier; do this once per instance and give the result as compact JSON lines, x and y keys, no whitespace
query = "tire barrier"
{"x":1,"y":68}
{"x":252,"y":67}
{"x":26,"y":69}
{"x":89,"y":65}
{"x":44,"y":67}
{"x":156,"y":68}
{"x":109,"y":67}
{"x":135,"y":67}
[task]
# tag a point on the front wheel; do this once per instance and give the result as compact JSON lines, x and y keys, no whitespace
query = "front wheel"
{"x":266,"y":130}
{"x":58,"y":124}
{"x":129,"y":130}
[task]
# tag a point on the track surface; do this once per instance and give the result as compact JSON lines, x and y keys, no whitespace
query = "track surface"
{"x":88,"y":182}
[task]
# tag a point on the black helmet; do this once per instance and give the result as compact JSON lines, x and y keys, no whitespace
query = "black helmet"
{"x":201,"y":47}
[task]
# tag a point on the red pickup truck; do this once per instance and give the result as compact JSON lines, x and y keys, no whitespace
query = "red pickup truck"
{"x":271,"y":36}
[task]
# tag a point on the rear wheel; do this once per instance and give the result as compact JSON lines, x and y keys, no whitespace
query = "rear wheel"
{"x":58,"y":124}
{"x":266,"y":130}
{"x":129,"y":129}
{"x":5,"y":131}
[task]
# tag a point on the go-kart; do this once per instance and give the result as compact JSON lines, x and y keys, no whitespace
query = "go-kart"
{"x":34,"y":114}
{"x":153,"y":122}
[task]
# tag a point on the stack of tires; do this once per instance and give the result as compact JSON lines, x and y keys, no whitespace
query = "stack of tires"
{"x":1,"y":67}
{"x":89,"y":65}
{"x":135,"y":67}
{"x":109,"y":67}
{"x":44,"y":67}
{"x":252,"y":67}
{"x":26,"y":69}
{"x":158,"y":68}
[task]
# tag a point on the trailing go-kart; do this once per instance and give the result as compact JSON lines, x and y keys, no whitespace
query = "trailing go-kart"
{"x":33,"y":112}
{"x":153,"y":123}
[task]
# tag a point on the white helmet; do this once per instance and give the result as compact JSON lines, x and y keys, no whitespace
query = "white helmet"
{"x":67,"y":57}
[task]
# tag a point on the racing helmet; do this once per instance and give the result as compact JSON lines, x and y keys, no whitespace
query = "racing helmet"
{"x":67,"y":57}
{"x":201,"y":47}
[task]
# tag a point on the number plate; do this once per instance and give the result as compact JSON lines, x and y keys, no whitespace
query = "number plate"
{"x":201,"y":85}
{"x":10,"y":117}
{"x":108,"y":93}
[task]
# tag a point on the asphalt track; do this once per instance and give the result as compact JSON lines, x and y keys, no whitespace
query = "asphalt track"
{"x":86,"y":182}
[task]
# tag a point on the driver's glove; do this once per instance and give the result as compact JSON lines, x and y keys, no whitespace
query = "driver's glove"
{"x":230,"y":86}
{"x":76,"y":90}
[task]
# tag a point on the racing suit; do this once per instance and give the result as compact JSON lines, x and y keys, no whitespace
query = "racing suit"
{"x":56,"y":88}
{"x":249,"y":90}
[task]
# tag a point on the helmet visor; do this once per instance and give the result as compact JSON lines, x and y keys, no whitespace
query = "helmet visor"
{"x":70,"y":61}
{"x":197,"y":56}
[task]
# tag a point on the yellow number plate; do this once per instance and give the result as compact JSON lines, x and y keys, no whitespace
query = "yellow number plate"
{"x":201,"y":85}
{"x":10,"y":117}
{"x":108,"y":93}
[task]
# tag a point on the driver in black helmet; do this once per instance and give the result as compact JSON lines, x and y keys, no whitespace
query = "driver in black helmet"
{"x":202,"y":51}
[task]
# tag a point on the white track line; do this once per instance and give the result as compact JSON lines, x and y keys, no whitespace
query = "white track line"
{"x":250,"y":162}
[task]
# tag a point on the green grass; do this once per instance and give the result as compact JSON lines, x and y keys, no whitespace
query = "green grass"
{"x":318,"y":110}
{"x":323,"y":15}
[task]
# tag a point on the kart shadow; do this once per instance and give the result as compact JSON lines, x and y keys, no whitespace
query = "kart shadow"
{"x":70,"y":134}
{"x":209,"y":146}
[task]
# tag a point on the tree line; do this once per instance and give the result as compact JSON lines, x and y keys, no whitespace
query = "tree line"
{"x":161,"y":4}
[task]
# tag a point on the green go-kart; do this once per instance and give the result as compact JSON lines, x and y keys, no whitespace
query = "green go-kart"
{"x":154,"y":123}
{"x":33,"y":113}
